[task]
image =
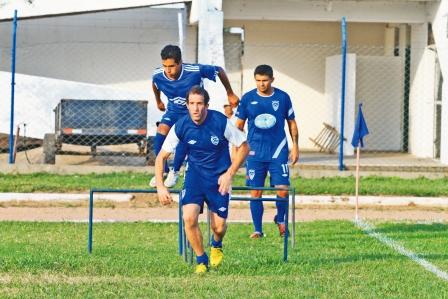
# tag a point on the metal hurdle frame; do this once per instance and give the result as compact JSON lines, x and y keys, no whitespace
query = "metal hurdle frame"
{"x":185,"y":249}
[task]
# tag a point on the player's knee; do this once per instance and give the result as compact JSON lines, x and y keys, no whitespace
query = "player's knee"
{"x":190,"y":220}
{"x":219,"y":229}
{"x":256,"y":193}
{"x":282,"y":194}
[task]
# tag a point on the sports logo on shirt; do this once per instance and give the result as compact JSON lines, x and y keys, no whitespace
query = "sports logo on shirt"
{"x":214,"y":140}
{"x":275,"y":105}
{"x":254,"y":102}
{"x":265,"y":121}
{"x":179,"y":101}
{"x":183,"y":193}
{"x":251,"y":174}
{"x":192,"y":141}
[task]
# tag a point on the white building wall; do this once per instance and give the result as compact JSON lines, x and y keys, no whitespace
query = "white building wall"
{"x":439,"y":18}
{"x":379,"y":88}
{"x":117,"y":50}
{"x":421,"y":98}
{"x":333,"y":91}
{"x":297,"y":51}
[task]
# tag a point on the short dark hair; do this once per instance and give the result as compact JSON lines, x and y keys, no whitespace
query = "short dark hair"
{"x":264,"y":69}
{"x":198,"y":90}
{"x":171,"y":52}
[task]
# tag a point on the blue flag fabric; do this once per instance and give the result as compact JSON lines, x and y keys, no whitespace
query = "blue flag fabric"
{"x":361,"y":129}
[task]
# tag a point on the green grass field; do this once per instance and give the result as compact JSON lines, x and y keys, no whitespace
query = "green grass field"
{"x":333,"y":259}
{"x":374,"y":185}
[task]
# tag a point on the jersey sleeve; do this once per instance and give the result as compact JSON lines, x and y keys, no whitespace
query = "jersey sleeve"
{"x":289,"y":110}
{"x":171,"y":141}
{"x":209,"y":71}
{"x":233,"y":134}
{"x":241,"y":111}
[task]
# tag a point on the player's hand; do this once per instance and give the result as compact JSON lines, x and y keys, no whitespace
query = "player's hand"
{"x":161,"y":106}
{"x":294,"y":155}
{"x":225,"y":183}
{"x":164,"y":195}
{"x":233,"y":100}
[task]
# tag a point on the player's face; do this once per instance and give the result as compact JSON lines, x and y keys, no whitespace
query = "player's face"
{"x":264,"y":83}
{"x":171,"y":68}
{"x":197,"y":108}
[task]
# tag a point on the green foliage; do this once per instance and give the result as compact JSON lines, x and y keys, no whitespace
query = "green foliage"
{"x":333,"y":259}
{"x":373,"y":185}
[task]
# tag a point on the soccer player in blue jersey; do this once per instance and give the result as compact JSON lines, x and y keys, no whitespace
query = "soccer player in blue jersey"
{"x":209,"y":174}
{"x":174,"y":79}
{"x":266,"y":109}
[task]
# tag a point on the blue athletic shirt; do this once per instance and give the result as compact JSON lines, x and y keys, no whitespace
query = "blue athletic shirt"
{"x":208,"y":144}
{"x":266,"y":117}
{"x":176,"y":90}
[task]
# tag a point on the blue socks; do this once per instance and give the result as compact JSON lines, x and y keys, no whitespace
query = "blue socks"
{"x":281,"y":211}
{"x":158,"y":142}
{"x":256,"y":209}
{"x":203,"y":259}
{"x":216,"y":244}
{"x":179,"y":156}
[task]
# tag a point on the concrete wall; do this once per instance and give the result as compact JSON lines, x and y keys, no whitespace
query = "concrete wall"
{"x":380,"y":88}
{"x":421,"y":99}
{"x":116,"y":50}
{"x":36,"y":97}
{"x":297,"y":52}
{"x":331,"y":114}
{"x":439,"y":20}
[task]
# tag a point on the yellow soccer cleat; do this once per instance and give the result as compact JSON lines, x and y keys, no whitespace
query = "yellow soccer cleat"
{"x":216,"y":256}
{"x":201,"y":269}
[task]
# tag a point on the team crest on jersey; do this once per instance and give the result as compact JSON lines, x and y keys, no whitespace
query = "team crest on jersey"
{"x":254,"y":102}
{"x":192,"y":141}
{"x":275,"y":105}
{"x":214,"y":140}
{"x":251,"y":174}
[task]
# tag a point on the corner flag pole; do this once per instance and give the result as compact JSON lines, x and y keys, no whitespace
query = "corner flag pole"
{"x":357,"y":183}
{"x":360,"y":131}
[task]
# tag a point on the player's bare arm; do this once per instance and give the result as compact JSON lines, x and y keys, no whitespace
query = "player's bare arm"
{"x":294,"y":132}
{"x":240,"y":124}
{"x":225,"y":180}
{"x":162,"y":192}
{"x":160,"y":104}
{"x":231,"y":96}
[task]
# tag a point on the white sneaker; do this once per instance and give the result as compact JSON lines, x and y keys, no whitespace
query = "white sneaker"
{"x":152,"y":182}
{"x":171,"y":179}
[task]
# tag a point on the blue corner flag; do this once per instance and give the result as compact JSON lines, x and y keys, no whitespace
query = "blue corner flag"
{"x":361,"y":129}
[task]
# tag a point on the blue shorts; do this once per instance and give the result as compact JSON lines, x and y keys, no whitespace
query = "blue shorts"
{"x":256,"y":172}
{"x":196,"y":191}
{"x":170,"y":118}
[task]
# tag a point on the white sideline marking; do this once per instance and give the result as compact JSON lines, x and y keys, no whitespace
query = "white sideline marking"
{"x":370,"y":230}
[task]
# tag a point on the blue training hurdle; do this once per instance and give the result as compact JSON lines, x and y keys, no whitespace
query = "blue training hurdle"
{"x":184,"y":246}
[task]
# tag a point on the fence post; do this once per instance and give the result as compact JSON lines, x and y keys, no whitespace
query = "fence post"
{"x":13,"y":71}
{"x":343,"y":74}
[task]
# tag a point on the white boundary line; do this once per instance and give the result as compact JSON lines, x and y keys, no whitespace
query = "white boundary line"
{"x":370,"y":230}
